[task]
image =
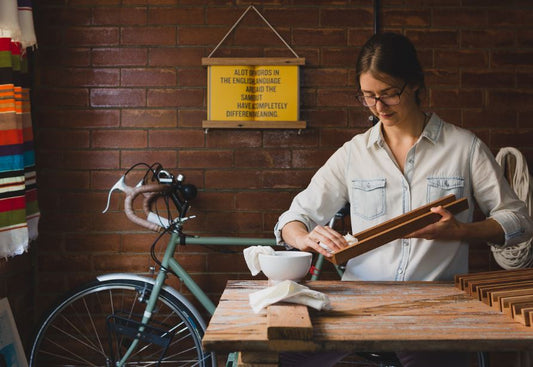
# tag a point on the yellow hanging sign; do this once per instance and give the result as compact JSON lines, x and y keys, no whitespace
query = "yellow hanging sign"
{"x":253,"y":93}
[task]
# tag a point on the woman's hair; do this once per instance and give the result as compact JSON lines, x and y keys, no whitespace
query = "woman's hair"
{"x":391,"y":55}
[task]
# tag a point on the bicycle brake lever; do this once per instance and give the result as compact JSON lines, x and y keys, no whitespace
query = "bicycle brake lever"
{"x":119,"y":185}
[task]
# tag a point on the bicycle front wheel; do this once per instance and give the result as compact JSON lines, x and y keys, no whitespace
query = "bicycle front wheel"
{"x":95,"y":325}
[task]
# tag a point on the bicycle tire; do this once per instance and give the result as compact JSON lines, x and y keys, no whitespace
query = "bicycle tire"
{"x":77,"y":331}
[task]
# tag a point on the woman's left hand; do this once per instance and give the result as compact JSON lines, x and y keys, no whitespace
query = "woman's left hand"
{"x":447,"y":228}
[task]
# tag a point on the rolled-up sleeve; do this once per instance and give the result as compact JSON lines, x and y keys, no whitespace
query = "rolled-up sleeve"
{"x":496,"y":198}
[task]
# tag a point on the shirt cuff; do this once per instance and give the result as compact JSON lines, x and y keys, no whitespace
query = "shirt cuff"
{"x":515,"y":232}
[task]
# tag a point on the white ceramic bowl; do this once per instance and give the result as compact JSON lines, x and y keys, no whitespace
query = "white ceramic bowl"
{"x":285,"y":265}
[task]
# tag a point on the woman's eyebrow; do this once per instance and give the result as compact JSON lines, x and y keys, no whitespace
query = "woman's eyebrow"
{"x":380,"y":91}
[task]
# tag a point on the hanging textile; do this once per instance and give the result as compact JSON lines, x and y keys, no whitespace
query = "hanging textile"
{"x":19,"y":212}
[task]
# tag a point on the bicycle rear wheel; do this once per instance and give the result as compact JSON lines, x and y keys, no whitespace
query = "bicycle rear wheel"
{"x":94,"y":326}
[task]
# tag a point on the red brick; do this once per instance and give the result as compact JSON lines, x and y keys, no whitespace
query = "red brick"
{"x":176,"y":138}
{"x":335,"y":138}
{"x":339,"y":57}
{"x":263,"y":158}
{"x":456,"y":98}
{"x":290,"y":139}
{"x":79,"y":118}
{"x":262,"y":201}
{"x":287,"y":17}
{"x":203,"y":35}
{"x":149,"y":118}
{"x":326,"y":77}
{"x":77,"y":77}
{"x":65,"y":57}
{"x":511,"y":100}
{"x":358,"y":117}
{"x":357,"y":37}
{"x":121,"y":16}
{"x":487,"y":38}
{"x":215,"y":200}
{"x":261,"y":36}
{"x":462,"y":57}
{"x":94,"y":159}
{"x":192,"y":77}
{"x":92,"y":36}
{"x":235,"y":139}
{"x":337,"y":97}
{"x":119,"y":57}
{"x":119,"y":139}
{"x":56,"y":97}
{"x":512,"y":58}
{"x":434,"y":38}
{"x":148,"y":77}
{"x":62,"y":179}
{"x":166,"y":157}
{"x":118,"y":97}
{"x":92,"y":243}
{"x":205,"y":159}
{"x":319,"y":37}
{"x":460,"y":17}
{"x":122,"y":262}
{"x":67,"y":16}
{"x":360,"y":17}
{"x":442,"y":77}
{"x":489,"y":118}
{"x":310,"y":158}
{"x":509,"y":17}
{"x":318,"y":118}
{"x":191,"y":118}
{"x":175,"y":97}
{"x":63,"y":139}
{"x":176,"y":56}
{"x":235,"y":222}
{"x":148,"y":36}
{"x":407,"y":18}
{"x":223,"y":180}
{"x":487,"y":79}
{"x":287,"y":179}
{"x":168,"y":15}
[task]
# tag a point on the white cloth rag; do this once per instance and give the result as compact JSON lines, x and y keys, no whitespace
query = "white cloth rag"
{"x":251,"y":256}
{"x":289,"y":291}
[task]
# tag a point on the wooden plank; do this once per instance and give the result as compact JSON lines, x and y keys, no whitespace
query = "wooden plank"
{"x":245,"y":359}
{"x":520,"y":310}
{"x":397,"y":227}
{"x":289,"y":321}
{"x":508,"y":302}
{"x":472,"y":286}
{"x":259,"y":357}
{"x":462,"y":280}
{"x":514,"y":290}
{"x":254,"y":124}
{"x":206,"y":61}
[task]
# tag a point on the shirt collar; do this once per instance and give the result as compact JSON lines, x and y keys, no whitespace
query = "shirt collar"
{"x":431,"y":132}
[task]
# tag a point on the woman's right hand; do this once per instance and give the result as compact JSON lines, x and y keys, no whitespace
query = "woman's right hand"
{"x":296,"y":235}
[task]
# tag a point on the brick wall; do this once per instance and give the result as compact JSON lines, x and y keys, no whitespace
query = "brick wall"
{"x":121,"y":81}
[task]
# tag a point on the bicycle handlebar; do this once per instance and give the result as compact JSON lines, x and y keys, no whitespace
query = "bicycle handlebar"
{"x":153,"y":190}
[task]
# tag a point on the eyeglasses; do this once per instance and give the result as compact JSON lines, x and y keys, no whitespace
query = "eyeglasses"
{"x":386,"y":99}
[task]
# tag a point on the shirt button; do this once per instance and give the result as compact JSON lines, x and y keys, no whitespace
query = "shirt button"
{"x":400,"y":271}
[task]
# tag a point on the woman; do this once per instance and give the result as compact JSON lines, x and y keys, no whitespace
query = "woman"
{"x":409,"y":158}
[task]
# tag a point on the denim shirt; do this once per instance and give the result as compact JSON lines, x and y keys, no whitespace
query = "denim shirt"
{"x":445,"y":160}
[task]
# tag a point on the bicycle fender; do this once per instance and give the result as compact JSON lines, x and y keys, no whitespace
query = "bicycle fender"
{"x":172,"y":291}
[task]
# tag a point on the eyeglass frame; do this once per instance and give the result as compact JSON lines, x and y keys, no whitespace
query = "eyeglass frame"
{"x":362,"y":98}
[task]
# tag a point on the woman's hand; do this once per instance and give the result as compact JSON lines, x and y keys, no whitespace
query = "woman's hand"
{"x":296,"y":235}
{"x":447,"y":228}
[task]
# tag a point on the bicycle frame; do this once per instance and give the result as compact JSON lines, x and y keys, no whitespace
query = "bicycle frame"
{"x":169,"y":262}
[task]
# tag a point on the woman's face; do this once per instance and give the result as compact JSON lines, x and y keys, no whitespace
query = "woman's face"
{"x":390,"y":115}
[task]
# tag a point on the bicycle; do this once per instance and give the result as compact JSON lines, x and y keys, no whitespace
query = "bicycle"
{"x":126,"y":319}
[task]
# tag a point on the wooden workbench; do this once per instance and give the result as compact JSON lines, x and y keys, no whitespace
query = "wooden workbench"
{"x":371,"y":316}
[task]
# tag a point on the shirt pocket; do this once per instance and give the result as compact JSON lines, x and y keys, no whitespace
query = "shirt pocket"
{"x":437,"y":187}
{"x":368,"y":198}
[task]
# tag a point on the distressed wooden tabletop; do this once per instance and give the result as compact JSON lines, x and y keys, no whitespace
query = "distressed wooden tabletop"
{"x":371,"y":316}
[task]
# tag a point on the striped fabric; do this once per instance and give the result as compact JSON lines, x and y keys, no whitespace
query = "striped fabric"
{"x":19,"y":212}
